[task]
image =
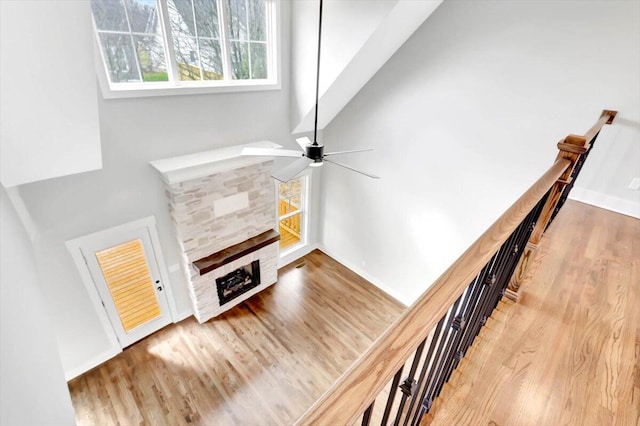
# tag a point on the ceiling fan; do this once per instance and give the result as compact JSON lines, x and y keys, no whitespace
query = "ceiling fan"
{"x":312,"y":154}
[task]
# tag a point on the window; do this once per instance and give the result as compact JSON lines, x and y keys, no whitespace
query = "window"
{"x":186,"y":44}
{"x":291,"y":212}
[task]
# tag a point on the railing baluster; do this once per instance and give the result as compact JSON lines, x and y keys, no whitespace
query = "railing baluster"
{"x":437,"y":358}
{"x":476,"y":316}
{"x":392,"y":396}
{"x":456,"y":355}
{"x":366,"y":417}
{"x":434,"y":340}
{"x":408,"y":384}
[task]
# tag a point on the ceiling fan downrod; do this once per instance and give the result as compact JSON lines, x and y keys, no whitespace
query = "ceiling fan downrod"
{"x":315,"y":122}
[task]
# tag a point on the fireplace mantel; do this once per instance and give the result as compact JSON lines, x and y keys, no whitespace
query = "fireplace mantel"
{"x":216,"y":260}
{"x":194,"y":166}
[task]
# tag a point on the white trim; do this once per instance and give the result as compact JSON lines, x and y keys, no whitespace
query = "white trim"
{"x":23,"y":213}
{"x":74,"y":247}
{"x":184,"y":315}
{"x":150,"y":89}
{"x":114,"y":346}
{"x":295,"y":254}
{"x":201,"y":164}
{"x":292,"y":253}
{"x":608,"y":202}
{"x":373,"y":280}
{"x":175,"y":86}
{"x":162,"y":269}
{"x":92,"y":363}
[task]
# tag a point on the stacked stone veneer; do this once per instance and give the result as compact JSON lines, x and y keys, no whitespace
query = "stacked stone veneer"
{"x":201,"y":233}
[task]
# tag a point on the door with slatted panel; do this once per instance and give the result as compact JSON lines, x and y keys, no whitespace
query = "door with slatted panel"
{"x":125,"y":273}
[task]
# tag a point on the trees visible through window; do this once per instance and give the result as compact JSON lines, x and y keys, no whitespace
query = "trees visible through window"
{"x":206,"y":40}
{"x":291,"y":212}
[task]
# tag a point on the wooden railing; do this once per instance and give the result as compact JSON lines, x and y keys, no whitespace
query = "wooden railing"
{"x":445,"y":320}
{"x":290,"y":223}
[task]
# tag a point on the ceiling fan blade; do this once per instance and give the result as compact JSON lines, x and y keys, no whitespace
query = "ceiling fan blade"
{"x":348,"y":152}
{"x":352,"y":169}
{"x":288,"y":172}
{"x":272,"y":152}
{"x":303,"y":142}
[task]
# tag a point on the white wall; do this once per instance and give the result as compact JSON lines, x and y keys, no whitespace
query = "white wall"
{"x":465,"y":117}
{"x":33,"y":390}
{"x":48,"y":106}
{"x":346,"y":26}
{"x":134,"y":132}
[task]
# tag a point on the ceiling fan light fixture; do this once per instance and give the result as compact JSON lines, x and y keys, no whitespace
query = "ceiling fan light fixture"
{"x":316,"y":163}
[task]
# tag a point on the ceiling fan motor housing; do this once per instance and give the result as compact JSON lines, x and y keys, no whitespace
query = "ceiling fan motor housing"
{"x":314,"y":152}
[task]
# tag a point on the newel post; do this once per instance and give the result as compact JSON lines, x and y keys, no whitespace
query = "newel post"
{"x":571,"y":148}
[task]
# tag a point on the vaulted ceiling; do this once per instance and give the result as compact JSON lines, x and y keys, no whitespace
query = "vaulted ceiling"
{"x":357,"y":39}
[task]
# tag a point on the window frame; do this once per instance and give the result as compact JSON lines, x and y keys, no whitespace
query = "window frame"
{"x":176,"y":87}
{"x":303,"y":211}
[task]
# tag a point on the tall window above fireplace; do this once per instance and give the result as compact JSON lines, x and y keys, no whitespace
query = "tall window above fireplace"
{"x":292,"y":213}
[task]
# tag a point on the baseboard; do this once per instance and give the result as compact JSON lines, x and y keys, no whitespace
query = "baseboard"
{"x":373,"y":280}
{"x":92,"y":363}
{"x":598,"y":199}
{"x":183,"y":315}
{"x":296,"y":254}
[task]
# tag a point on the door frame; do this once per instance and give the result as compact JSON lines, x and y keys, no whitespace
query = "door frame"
{"x":74,"y":247}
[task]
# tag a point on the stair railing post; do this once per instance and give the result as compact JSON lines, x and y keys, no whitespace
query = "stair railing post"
{"x":571,"y":148}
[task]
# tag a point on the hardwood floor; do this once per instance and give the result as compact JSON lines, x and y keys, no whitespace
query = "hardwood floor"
{"x":263,"y":362}
{"x":569,"y":351}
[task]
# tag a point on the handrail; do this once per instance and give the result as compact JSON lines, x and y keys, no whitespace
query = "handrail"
{"x":362,"y":382}
{"x":607,"y":117}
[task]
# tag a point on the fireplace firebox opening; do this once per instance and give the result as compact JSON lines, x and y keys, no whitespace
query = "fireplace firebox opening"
{"x":238,"y":282}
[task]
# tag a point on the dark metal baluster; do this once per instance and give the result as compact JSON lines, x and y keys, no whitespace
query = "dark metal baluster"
{"x":408,"y":384}
{"x":392,"y":395}
{"x":484,"y":281}
{"x":366,"y":417}
{"x":456,"y":354}
{"x":492,"y":287}
{"x":436,"y":374}
{"x":434,"y":340}
{"x":438,"y":356}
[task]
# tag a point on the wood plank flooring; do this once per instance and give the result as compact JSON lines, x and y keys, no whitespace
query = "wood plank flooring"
{"x":569,"y":352}
{"x":262,"y":363}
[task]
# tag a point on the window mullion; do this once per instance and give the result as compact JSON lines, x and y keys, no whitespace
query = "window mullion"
{"x":133,"y":42}
{"x":225,"y":45}
{"x":246,"y":16}
{"x":271,"y":37}
{"x":168,"y":41}
{"x":195,"y":31}
{"x":290,"y":214}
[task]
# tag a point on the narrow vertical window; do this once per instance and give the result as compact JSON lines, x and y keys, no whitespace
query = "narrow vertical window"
{"x":291,"y":211}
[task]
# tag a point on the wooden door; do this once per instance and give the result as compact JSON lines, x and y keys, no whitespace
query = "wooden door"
{"x":126,"y":276}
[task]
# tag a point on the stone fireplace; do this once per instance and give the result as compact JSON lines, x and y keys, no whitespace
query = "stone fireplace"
{"x":223,"y":209}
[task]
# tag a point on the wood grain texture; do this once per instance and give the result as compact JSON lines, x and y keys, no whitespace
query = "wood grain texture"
{"x":570,"y":148}
{"x":263,"y":362}
{"x":569,"y":351}
{"x":126,"y":273}
{"x":234,"y":252}
{"x":351,"y":394}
